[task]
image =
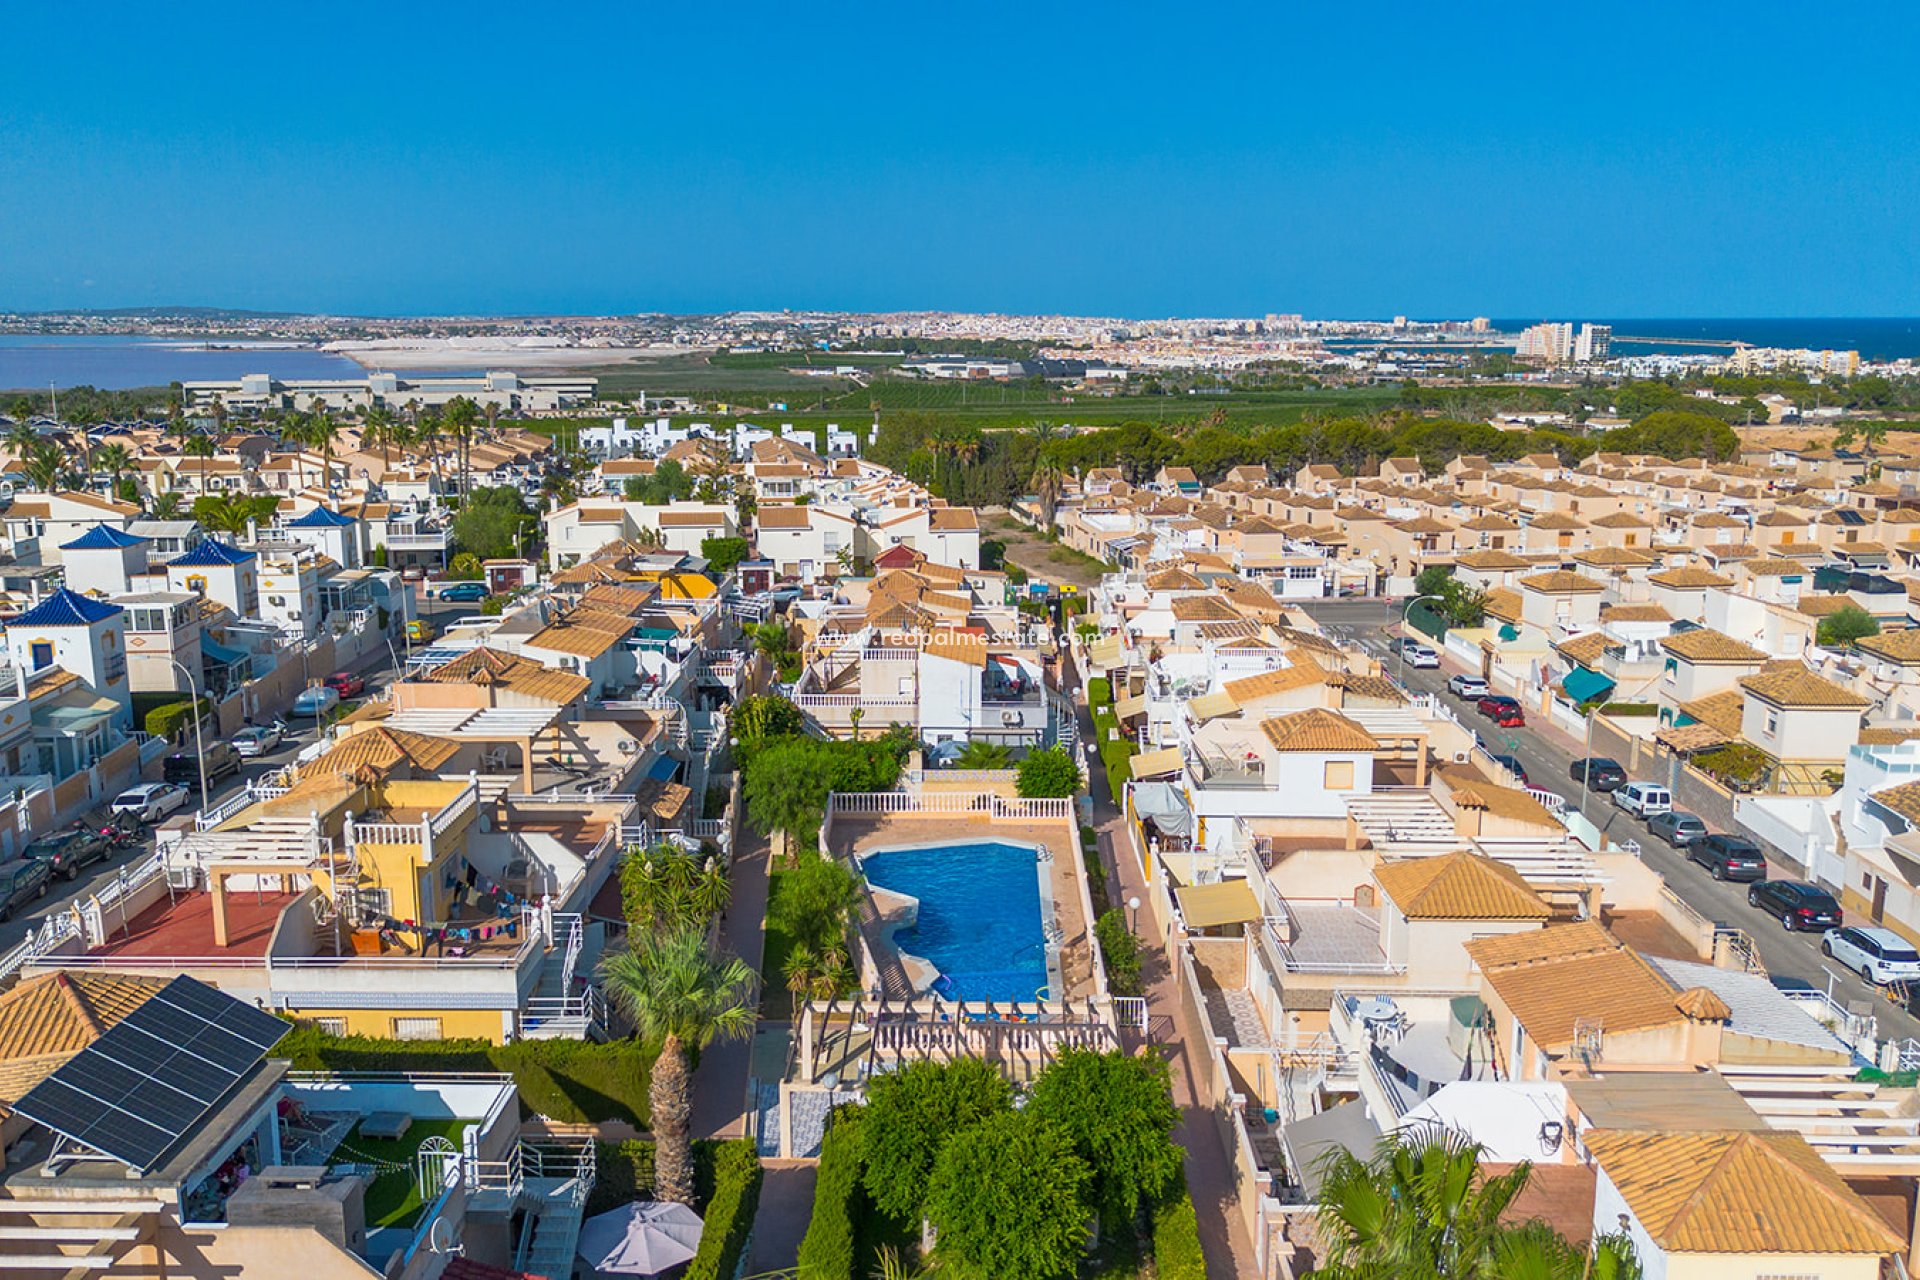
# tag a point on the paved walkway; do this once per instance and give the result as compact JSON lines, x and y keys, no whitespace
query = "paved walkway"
{"x":720,"y":1084}
{"x":786,"y":1206}
{"x":1223,"y":1233}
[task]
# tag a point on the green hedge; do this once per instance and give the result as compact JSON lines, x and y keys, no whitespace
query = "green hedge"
{"x":572,"y":1081}
{"x":1176,"y":1241}
{"x":827,"y":1252}
{"x":625,"y":1174}
{"x":1099,"y":692}
{"x":1631,"y":709}
{"x":163,"y":720}
{"x":729,"y":1212}
{"x":1120,"y":952}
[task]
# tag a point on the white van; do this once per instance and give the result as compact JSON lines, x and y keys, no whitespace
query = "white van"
{"x":1644,"y":798}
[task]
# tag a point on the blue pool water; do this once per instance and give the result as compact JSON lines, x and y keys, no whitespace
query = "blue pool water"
{"x":980,"y":917}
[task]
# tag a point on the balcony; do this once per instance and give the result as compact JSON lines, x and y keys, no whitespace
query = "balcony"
{"x":416,"y":542}
{"x":1332,"y":937}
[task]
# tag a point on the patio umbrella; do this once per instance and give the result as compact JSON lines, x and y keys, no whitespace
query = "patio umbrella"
{"x":640,"y":1239}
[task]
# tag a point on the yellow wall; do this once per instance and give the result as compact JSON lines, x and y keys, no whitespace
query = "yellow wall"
{"x":455,"y":1024}
{"x":1751,"y":1266}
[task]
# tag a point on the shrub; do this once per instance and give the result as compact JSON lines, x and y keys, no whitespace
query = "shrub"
{"x":1120,"y":951}
{"x":162,"y":721}
{"x":1176,"y":1241}
{"x":1118,"y":1112}
{"x":827,"y":1251}
{"x":625,"y":1173}
{"x":1630,"y":709}
{"x":1099,"y":692}
{"x":572,"y":1081}
{"x":729,"y":1212}
{"x":1050,"y":773}
{"x":1008,"y":1197}
{"x":910,"y":1115}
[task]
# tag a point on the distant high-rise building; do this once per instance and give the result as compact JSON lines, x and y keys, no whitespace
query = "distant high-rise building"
{"x":1595,"y":341}
{"x":1399,"y":322}
{"x":1481,"y":324}
{"x":1549,"y":343}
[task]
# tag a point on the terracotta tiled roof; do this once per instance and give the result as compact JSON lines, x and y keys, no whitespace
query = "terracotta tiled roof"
{"x":1709,"y":646}
{"x":1901,"y":646}
{"x":490,"y":667}
{"x":1504,"y":603}
{"x":1719,"y":1192}
{"x":46,"y":1020}
{"x":1248,"y":689}
{"x":1373,"y":688}
{"x":1702,"y":1005}
{"x":1491,"y":561}
{"x":1317,"y":729}
{"x":384,"y":750}
{"x":1722,"y":710}
{"x":1689,"y":576}
{"x":1819,"y":606}
{"x":584,"y":633}
{"x":1203,"y":609}
{"x":1553,"y":979}
{"x":1795,"y":686}
{"x":1174,"y":580}
{"x":1563,"y":582}
{"x":1635,"y":613}
{"x":1585,"y":650}
{"x":1459,"y":886}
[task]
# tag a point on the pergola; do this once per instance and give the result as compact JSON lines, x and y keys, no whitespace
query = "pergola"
{"x":517,"y":726}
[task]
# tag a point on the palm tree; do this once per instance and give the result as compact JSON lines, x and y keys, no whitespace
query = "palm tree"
{"x":379,"y":430}
{"x":202,"y":447}
{"x":44,"y":465}
{"x":322,"y":430}
{"x":1048,"y":479}
{"x":22,"y":440}
{"x":1423,"y":1206}
{"x":648,"y":538}
{"x":683,"y":996}
{"x":461,"y":414}
{"x":982,"y":755}
{"x":116,"y":459}
{"x":164,"y":506}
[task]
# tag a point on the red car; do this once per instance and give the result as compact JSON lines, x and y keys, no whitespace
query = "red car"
{"x":1504,"y":712}
{"x":346,"y":684}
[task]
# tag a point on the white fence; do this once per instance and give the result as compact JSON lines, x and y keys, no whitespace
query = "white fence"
{"x":1000,"y":808}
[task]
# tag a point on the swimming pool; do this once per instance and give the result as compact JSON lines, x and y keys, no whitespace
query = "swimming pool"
{"x":982,"y":919}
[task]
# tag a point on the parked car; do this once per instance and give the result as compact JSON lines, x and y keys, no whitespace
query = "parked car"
{"x":1878,"y":955}
{"x":346,"y":684}
{"x":1420,"y":656}
{"x":150,"y":801}
{"x":464,"y":592}
{"x":1796,"y":904}
{"x":1729,"y":858}
{"x":183,"y":767}
{"x":1503,"y":711}
{"x":1600,"y":773}
{"x":65,"y":852}
{"x":1676,"y":828}
{"x":412,"y":573}
{"x":314,"y":703}
{"x":22,"y":880}
{"x":1644,"y":799}
{"x":1472,"y":688}
{"x":419,"y":630}
{"x":1513,"y":766}
{"x":258,"y":740}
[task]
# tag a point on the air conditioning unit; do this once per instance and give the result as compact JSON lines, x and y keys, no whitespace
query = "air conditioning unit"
{"x":1461,"y":757}
{"x":1009,"y":717}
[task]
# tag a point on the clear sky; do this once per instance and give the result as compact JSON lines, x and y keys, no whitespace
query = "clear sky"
{"x":1347,"y":159}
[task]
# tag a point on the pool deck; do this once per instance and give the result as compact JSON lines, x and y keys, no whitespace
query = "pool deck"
{"x":864,"y":835}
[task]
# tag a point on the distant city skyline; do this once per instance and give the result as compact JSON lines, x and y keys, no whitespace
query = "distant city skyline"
{"x":424,"y":161}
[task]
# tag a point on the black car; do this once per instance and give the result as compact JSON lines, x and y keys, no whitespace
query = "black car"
{"x":1677,"y":829}
{"x":65,"y":852}
{"x":184,"y":767}
{"x":1601,"y":774}
{"x":1729,"y":858}
{"x":1796,"y":905}
{"x":21,"y":881}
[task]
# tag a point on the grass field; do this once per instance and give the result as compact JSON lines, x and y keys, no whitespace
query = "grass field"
{"x":394,"y":1198}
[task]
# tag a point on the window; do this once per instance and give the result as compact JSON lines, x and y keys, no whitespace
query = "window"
{"x":330,"y":1026}
{"x":416,"y":1028}
{"x":42,"y":653}
{"x":1773,"y":722}
{"x":1339,"y":775}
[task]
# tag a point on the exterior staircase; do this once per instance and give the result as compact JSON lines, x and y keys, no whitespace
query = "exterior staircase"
{"x":554,"y":1187}
{"x":559,"y":1008}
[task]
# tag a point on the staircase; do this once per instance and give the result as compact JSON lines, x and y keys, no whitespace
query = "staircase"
{"x":894,"y":983}
{"x":557,"y":1180}
{"x":555,"y":1010}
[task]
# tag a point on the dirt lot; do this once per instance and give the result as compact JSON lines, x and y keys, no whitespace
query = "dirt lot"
{"x":1048,"y":561}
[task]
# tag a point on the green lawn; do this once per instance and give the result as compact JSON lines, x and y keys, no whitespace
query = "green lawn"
{"x":394,"y":1198}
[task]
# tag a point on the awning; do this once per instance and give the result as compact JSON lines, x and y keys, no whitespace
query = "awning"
{"x":1346,"y":1126}
{"x":663,"y":768}
{"x":1162,"y":804}
{"x":1208,"y":906}
{"x":1687,"y":738}
{"x":220,"y":655}
{"x":1152,"y":764}
{"x":1104,"y":654}
{"x":1131,"y":706}
{"x":1583,"y":685}
{"x":1209,"y":705}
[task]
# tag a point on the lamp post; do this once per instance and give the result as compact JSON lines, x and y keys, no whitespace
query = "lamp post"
{"x":1133,"y":914}
{"x":199,"y":737}
{"x":1586,"y":753}
{"x":1405,"y":609}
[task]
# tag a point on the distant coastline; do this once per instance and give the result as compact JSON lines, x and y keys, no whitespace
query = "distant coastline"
{"x":1875,"y":338}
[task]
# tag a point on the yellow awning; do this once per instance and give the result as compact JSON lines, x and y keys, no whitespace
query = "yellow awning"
{"x":1209,"y":705}
{"x":1208,"y":906}
{"x":1152,"y":764}
{"x":1131,"y":706}
{"x":1105,"y":653}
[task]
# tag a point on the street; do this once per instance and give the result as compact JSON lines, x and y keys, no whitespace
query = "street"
{"x":377,"y":669}
{"x":1548,"y":755}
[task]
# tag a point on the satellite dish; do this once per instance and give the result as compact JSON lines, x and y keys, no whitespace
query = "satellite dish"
{"x":440,"y":1237}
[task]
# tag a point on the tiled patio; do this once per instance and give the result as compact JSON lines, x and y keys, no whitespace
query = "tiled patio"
{"x":1234,"y":1016}
{"x":1334,"y":934}
{"x":185,"y":927}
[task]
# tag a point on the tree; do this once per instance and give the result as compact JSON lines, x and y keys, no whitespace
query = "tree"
{"x":118,"y":461}
{"x":1053,"y":772}
{"x":1839,"y":629}
{"x":666,"y":888}
{"x":775,"y":642}
{"x":1118,"y":1112}
{"x":232,"y":512}
{"x":682,"y":997}
{"x":1048,"y":480}
{"x":785,"y":789}
{"x":164,"y":506}
{"x":723,"y":555}
{"x":1422,"y":1206}
{"x":912,"y":1113}
{"x":1007,"y":1198}
{"x":490,"y":522}
{"x":982,"y":755}
{"x":202,"y":446}
{"x":816,"y":902}
{"x":460,"y":417}
{"x":763,"y":717}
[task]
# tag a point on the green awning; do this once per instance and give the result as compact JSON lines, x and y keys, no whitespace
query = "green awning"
{"x":1583,"y":685}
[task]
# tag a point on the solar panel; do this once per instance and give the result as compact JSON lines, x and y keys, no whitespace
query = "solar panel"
{"x":136,"y":1091}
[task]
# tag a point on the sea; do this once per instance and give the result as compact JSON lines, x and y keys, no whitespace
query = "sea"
{"x":1875,"y":338}
{"x":116,"y":362}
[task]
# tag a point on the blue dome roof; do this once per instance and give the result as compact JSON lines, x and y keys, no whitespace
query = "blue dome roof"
{"x":66,"y":608}
{"x":103,"y":537}
{"x":321,"y":518}
{"x":211,"y":554}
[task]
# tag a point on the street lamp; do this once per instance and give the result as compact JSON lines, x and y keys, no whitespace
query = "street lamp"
{"x":1405,"y":609}
{"x":199,"y":739}
{"x":1133,"y":909}
{"x":1586,"y":752}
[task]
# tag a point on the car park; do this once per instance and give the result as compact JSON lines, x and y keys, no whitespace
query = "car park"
{"x":346,"y":684}
{"x":1729,"y":858}
{"x":22,"y":881}
{"x":1796,"y":904}
{"x":464,"y":592}
{"x":1599,"y":772}
{"x":1472,"y":688}
{"x":1643,"y":799}
{"x":65,"y":852}
{"x":150,"y":801}
{"x":1678,"y":829}
{"x":1503,"y":711}
{"x":1878,"y":955}
{"x":258,"y":740}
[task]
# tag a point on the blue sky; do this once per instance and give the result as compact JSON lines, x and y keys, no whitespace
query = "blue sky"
{"x":1351,"y":160}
